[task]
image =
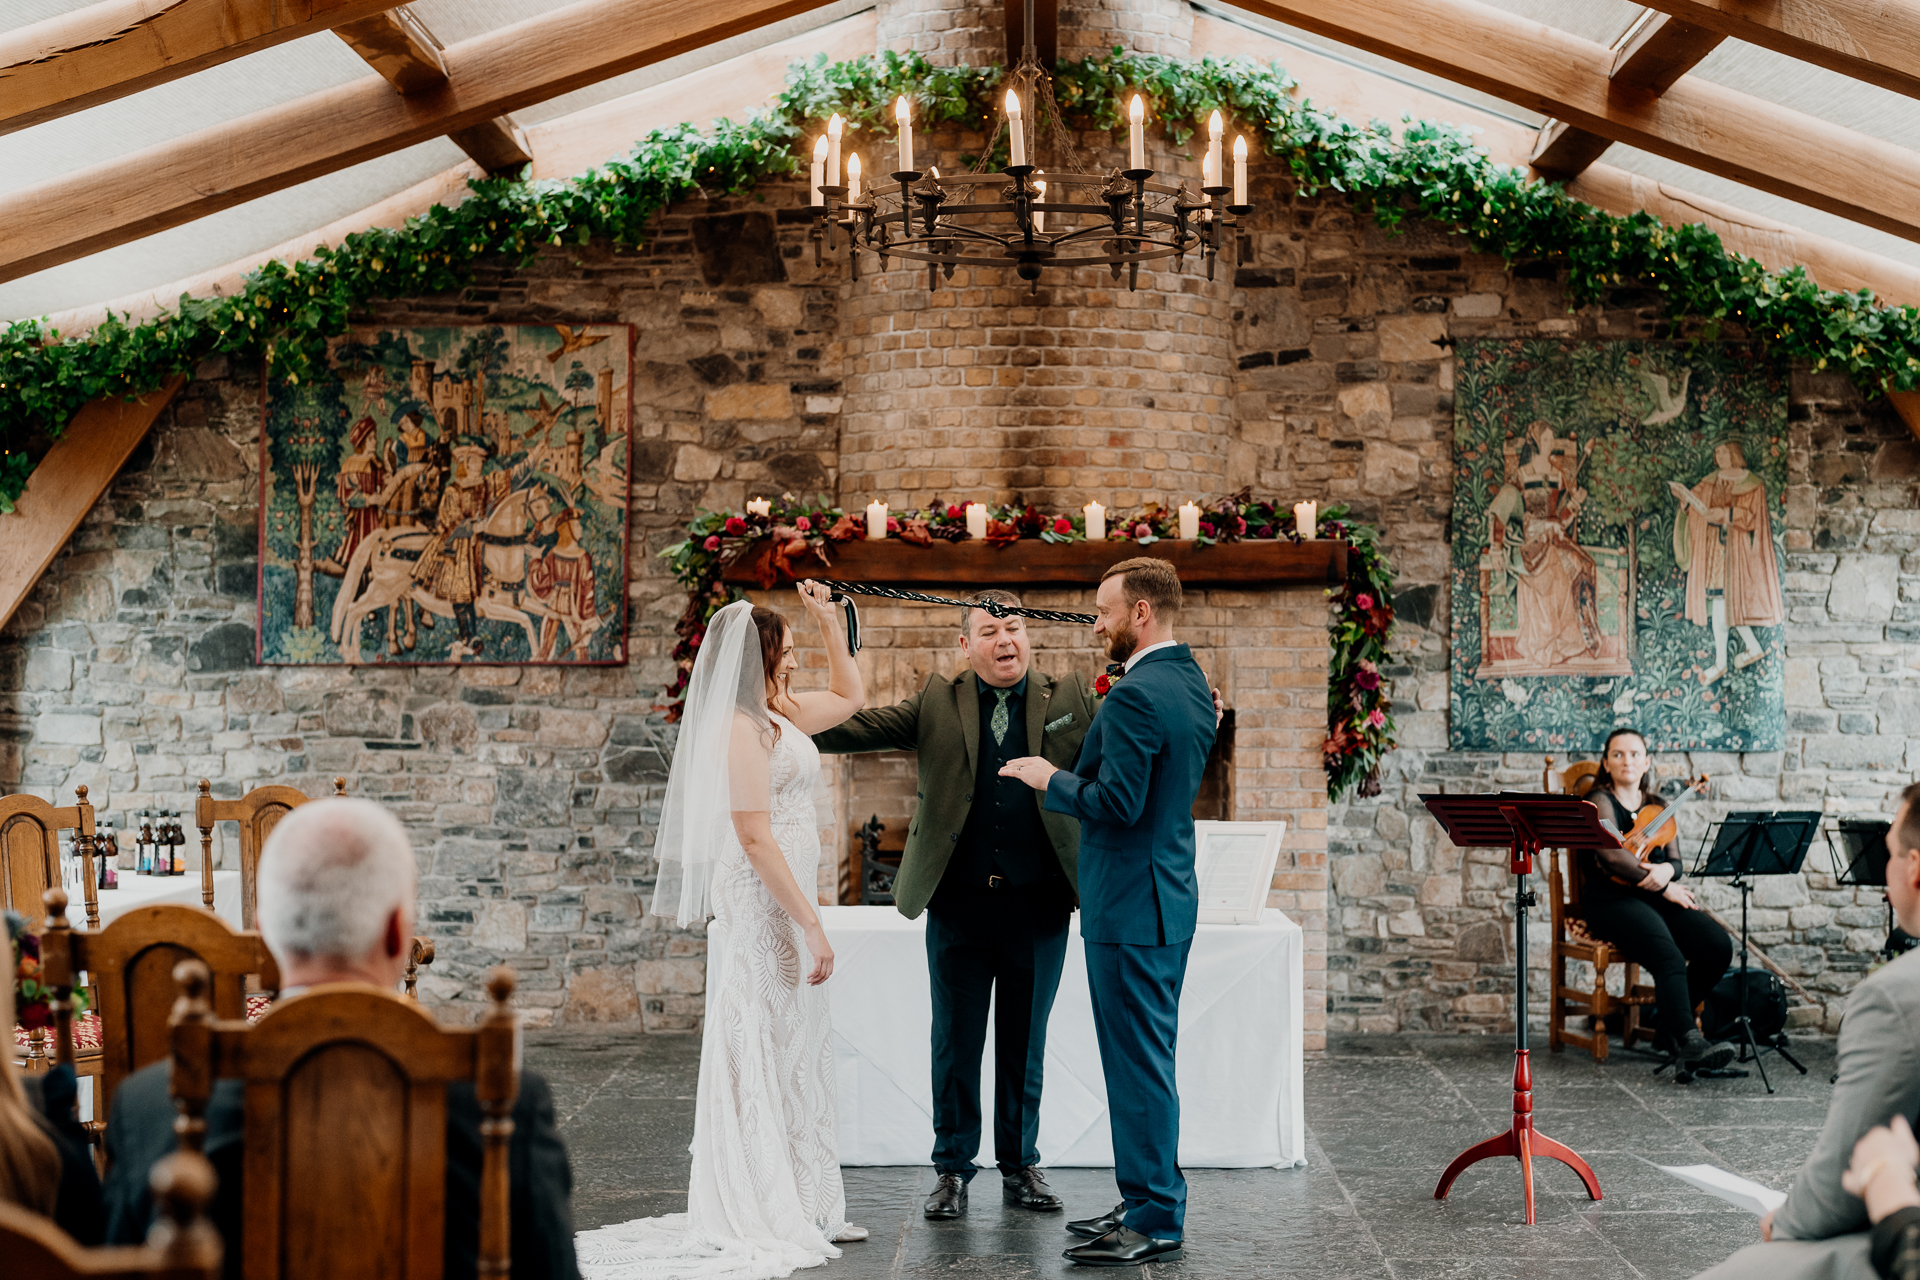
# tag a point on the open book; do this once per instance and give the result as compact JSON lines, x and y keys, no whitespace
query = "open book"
{"x":1731,"y":1187}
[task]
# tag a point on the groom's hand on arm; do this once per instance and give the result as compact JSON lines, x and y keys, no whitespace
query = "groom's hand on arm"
{"x":1032,"y":770}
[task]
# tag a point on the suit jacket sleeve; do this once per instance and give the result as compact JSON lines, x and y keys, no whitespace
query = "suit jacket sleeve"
{"x":894,"y":728}
{"x":540,"y":1181}
{"x":1129,"y":737}
{"x":1879,"y":1079}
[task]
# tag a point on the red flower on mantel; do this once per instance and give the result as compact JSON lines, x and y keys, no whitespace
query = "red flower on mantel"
{"x":1001,"y":533}
{"x":1062,"y":525}
{"x":735,"y":526}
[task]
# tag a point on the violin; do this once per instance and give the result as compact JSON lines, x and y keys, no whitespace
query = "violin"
{"x":1654,"y":826}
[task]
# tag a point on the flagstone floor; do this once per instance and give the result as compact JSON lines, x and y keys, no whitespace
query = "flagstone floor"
{"x":1384,"y":1114}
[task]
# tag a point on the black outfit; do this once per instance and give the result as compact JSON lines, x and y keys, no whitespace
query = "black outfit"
{"x":1684,"y":950}
{"x":996,"y":933}
{"x":78,"y":1211}
{"x":1896,"y":1245}
{"x":140,"y":1132}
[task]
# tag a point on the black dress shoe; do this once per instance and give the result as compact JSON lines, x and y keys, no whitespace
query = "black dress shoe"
{"x":1123,"y":1247}
{"x":949,"y":1198}
{"x":1028,"y":1189}
{"x":1094,"y":1228}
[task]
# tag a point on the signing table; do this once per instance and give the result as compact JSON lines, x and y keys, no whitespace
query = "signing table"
{"x":150,"y":891}
{"x":1240,"y":1051}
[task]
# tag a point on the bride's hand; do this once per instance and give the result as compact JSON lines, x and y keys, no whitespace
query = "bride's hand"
{"x":822,"y":954}
{"x":814,"y":598}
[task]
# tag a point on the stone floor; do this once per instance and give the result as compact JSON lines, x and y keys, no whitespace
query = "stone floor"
{"x":1384,"y":1115}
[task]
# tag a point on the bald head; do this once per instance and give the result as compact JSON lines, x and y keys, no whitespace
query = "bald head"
{"x":336,"y":890}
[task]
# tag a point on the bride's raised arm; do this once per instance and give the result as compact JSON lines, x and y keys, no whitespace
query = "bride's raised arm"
{"x":749,"y":756}
{"x":845,"y":692}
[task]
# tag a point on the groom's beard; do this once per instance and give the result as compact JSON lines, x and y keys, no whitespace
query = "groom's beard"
{"x":1121,"y":644}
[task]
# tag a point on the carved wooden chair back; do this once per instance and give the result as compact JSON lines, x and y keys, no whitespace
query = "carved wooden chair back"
{"x":183,"y":1245}
{"x":345,"y":1144}
{"x":257,"y":813}
{"x":131,"y":963}
{"x":30,"y":851}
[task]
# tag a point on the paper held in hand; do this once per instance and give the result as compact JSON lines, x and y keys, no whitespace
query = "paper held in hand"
{"x":1233,"y":862}
{"x":1731,"y":1187}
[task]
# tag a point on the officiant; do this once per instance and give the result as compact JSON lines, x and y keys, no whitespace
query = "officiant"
{"x":995,"y":874}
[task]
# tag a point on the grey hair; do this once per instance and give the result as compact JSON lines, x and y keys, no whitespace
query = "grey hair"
{"x":992,"y":593}
{"x":331,"y":875}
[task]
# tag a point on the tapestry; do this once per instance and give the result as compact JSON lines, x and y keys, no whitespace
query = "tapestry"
{"x":452,"y":494}
{"x":1617,"y":546}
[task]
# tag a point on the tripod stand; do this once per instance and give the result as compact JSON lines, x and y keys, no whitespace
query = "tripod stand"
{"x":1525,"y":824}
{"x":1746,"y":845}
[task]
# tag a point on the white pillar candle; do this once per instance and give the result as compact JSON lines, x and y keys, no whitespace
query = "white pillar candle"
{"x":1189,"y":520}
{"x":819,"y":168}
{"x":1240,"y":169}
{"x":976,"y":519}
{"x":1096,"y":522}
{"x":1016,"y":130}
{"x":853,"y":178}
{"x":1214,"y":125}
{"x":835,"y":127}
{"x":876,"y":521}
{"x":1306,"y":519}
{"x":903,"y":113}
{"x":1137,"y":133}
{"x":760,"y":507}
{"x":1040,"y":215}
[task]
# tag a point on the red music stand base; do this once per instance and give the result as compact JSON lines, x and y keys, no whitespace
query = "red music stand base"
{"x":1522,"y":1141}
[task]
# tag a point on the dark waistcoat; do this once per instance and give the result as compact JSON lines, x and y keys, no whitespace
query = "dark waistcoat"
{"x":1004,"y":835}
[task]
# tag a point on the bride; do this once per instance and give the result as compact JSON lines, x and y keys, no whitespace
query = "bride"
{"x":740,"y":840}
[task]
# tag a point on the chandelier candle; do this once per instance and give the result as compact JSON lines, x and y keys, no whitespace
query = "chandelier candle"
{"x":1137,"y":133}
{"x":1214,"y":126}
{"x":1096,"y":522}
{"x":835,"y":127}
{"x":1016,"y":131}
{"x":1306,"y":519}
{"x":1240,"y":170}
{"x":903,"y":112}
{"x":1039,"y":215}
{"x":853,"y":178}
{"x":876,"y":521}
{"x":976,"y":519}
{"x":1189,"y":521}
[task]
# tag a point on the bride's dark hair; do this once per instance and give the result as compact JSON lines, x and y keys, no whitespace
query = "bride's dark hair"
{"x":772,"y":626}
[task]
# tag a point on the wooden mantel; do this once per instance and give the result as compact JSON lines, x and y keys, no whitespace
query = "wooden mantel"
{"x":957,"y":566}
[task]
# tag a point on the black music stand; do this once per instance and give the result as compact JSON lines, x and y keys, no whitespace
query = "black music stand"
{"x":1865,"y":843}
{"x":1523,"y":823}
{"x":1752,"y":844}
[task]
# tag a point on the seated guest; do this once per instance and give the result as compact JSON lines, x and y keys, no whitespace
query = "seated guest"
{"x":46,"y":1164}
{"x":1650,"y":919}
{"x":336,"y":891}
{"x":1882,"y":1175}
{"x":1822,"y":1229}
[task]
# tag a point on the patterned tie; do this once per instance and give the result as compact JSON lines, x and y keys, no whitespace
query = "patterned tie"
{"x":999,"y":721}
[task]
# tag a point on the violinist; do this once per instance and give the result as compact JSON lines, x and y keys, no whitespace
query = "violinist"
{"x":1649,"y":918}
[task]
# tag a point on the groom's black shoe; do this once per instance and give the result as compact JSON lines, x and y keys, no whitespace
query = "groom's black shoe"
{"x":1123,"y":1247}
{"x":1028,"y":1189}
{"x":1094,"y":1228}
{"x":949,"y":1198}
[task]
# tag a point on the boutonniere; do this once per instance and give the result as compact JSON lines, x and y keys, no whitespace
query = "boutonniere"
{"x":1103,"y":685}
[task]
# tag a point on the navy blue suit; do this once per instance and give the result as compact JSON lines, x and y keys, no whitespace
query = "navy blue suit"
{"x":1132,"y":787}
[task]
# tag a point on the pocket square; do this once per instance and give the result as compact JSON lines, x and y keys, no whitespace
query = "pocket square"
{"x":1060,"y":723}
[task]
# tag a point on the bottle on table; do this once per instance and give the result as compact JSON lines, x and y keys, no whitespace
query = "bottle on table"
{"x":105,"y":854}
{"x":143,"y":854}
{"x":163,"y":842}
{"x":124,"y":856}
{"x":179,"y":846}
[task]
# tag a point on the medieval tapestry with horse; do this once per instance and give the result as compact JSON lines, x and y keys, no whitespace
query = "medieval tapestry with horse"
{"x":454,"y":494}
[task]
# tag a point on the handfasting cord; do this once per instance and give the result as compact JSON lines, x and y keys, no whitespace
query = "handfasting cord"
{"x":840,"y":592}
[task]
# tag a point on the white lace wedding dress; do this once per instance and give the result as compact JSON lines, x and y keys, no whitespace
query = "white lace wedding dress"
{"x":765,"y":1196}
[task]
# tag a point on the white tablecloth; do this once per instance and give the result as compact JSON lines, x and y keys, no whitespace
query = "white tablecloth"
{"x":1240,"y":1053}
{"x":146,"y":891}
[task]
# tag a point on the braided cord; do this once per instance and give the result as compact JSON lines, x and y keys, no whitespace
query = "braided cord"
{"x":993,"y":607}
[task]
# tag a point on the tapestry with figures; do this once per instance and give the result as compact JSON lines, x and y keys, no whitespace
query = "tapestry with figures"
{"x":1617,"y":545}
{"x":450,"y":495}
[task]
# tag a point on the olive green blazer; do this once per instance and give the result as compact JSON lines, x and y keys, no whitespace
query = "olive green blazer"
{"x":942,"y":724}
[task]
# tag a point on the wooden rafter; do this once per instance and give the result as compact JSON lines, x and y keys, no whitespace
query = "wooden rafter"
{"x":399,"y":46}
{"x":1868,"y":40}
{"x":228,"y":164}
{"x":1654,"y":55}
{"x":1708,"y":126}
{"x":68,"y":481}
{"x":110,"y":49}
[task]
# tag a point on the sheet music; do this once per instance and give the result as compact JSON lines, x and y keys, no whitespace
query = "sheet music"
{"x":1234,"y":866}
{"x":1756,"y":1199}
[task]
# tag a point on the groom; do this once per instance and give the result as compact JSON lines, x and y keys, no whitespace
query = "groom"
{"x":1132,"y":787}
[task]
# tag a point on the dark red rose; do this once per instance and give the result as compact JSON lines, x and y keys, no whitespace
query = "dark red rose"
{"x":735,"y":526}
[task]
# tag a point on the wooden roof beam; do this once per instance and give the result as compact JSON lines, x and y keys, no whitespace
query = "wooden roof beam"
{"x":1656,"y":52}
{"x":1707,"y":126}
{"x":399,"y":46}
{"x":113,"y":48}
{"x":1868,"y":40}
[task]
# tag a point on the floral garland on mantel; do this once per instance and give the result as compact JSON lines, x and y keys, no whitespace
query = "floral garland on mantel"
{"x":1359,"y":726}
{"x":288,"y":311}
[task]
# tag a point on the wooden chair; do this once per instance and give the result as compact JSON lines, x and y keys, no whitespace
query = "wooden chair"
{"x":30,"y":851}
{"x":345,"y":1146}
{"x":183,"y":1245}
{"x":131,"y":963}
{"x":1571,"y":941}
{"x":257,"y":812}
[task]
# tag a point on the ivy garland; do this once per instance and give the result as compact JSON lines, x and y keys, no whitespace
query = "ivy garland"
{"x":1359,"y":726}
{"x":287,"y":311}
